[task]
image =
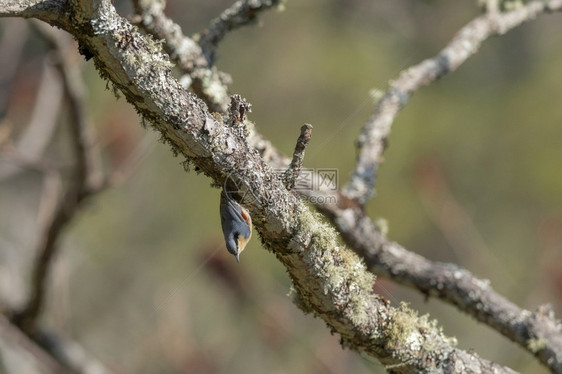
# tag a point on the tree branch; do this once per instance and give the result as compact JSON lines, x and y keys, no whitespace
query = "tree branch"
{"x":207,"y":82}
{"x":452,"y":284}
{"x":16,"y":337}
{"x":50,"y":11}
{"x":329,"y":280}
{"x":51,"y":352}
{"x":448,"y":282}
{"x":393,"y":266}
{"x":85,"y":181}
{"x":294,"y":169}
{"x":239,"y":14}
{"x":192,"y":58}
{"x":312,"y":256}
{"x":466,"y":43}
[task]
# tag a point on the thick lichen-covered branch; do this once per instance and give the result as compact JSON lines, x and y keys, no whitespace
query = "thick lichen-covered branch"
{"x":373,"y":139}
{"x":380,"y":258}
{"x":193,"y":57}
{"x":450,"y":283}
{"x":389,"y":262}
{"x":207,"y":82}
{"x":329,"y":279}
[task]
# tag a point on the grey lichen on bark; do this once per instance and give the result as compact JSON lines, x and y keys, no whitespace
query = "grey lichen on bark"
{"x":330,"y":279}
{"x":207,"y":81}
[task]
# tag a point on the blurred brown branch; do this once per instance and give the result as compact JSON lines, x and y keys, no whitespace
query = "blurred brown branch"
{"x":32,"y":143}
{"x":449,"y":282}
{"x":55,"y":212}
{"x":50,"y":351}
{"x":11,"y":46}
{"x":36,"y":354}
{"x":57,"y":209}
{"x":86,"y":180}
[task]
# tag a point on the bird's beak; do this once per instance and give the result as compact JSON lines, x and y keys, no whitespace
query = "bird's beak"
{"x":238,"y":257}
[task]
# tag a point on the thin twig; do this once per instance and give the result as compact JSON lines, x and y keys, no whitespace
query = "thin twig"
{"x":184,"y":50}
{"x":237,"y":110}
{"x":241,"y":13}
{"x":294,"y":169}
{"x":466,"y":43}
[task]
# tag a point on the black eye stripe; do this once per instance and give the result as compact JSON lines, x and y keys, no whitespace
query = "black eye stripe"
{"x":236,"y":235}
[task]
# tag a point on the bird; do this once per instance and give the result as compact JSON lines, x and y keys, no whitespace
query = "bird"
{"x":236,"y":224}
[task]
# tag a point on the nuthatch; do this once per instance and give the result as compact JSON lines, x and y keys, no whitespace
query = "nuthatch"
{"x":236,"y":224}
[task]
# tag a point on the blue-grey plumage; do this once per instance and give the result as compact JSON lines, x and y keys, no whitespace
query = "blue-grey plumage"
{"x":236,"y":224}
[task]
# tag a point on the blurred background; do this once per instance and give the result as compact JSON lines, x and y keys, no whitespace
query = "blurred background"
{"x":473,"y":175}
